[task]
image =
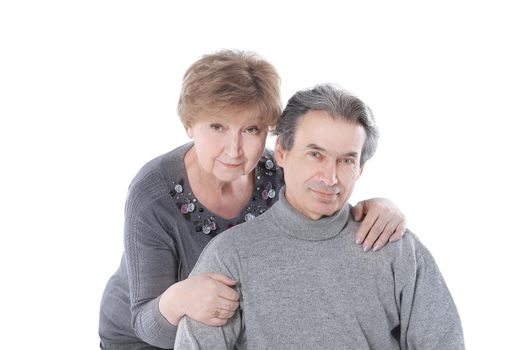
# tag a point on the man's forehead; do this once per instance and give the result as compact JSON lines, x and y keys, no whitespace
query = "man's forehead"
{"x":321,"y":131}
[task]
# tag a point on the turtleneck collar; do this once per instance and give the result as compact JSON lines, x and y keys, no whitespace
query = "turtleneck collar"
{"x":297,"y":225}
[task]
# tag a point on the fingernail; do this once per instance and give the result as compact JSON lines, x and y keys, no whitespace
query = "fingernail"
{"x":358,"y":241}
{"x":365,"y":248}
{"x":375,"y":249}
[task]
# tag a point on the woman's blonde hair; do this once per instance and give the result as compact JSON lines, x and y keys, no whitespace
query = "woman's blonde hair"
{"x":230,"y":79}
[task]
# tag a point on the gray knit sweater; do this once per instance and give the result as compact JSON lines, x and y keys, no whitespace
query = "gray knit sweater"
{"x":166,"y":229}
{"x":305,"y":284}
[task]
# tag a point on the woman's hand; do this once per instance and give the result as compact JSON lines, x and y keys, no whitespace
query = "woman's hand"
{"x":208,"y":298}
{"x":383,"y":222}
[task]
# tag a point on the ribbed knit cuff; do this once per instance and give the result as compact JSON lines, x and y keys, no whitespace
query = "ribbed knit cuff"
{"x":161,"y":332}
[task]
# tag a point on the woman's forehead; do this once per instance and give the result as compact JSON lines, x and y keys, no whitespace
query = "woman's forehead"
{"x":236,"y":114}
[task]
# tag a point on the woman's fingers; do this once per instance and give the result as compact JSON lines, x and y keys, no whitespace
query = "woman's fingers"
{"x":383,"y":222}
{"x":211,"y":298}
{"x":400,"y":231}
{"x":365,"y":227}
{"x":388,"y":232}
{"x":227,"y":305}
{"x":223,"y":286}
{"x":375,"y":231}
{"x":221,"y":278}
{"x":222,"y":314}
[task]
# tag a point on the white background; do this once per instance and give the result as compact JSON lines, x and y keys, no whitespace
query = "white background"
{"x":88,"y":94}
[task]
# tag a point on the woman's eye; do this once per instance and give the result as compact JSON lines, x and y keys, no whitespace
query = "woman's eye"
{"x":252,"y":130}
{"x":216,"y":127}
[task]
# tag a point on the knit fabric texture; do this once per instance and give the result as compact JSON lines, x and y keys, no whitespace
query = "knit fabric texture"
{"x":305,"y":284}
{"x":166,"y":228}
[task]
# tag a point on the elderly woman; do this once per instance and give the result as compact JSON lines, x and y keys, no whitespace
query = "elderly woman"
{"x":179,"y":201}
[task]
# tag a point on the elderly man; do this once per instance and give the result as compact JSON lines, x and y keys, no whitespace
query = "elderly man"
{"x":303,"y":283}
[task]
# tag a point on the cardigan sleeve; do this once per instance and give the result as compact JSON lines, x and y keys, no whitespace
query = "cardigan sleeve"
{"x":152,"y":261}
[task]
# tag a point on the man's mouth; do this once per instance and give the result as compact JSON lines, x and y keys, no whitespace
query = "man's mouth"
{"x":325,"y":193}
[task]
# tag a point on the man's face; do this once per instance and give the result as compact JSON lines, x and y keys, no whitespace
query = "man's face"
{"x":323,"y":165}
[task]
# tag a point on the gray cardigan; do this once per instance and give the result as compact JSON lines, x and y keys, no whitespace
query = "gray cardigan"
{"x":305,"y":284}
{"x":166,"y":229}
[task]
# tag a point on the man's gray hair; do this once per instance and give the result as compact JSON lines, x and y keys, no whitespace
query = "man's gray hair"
{"x":338,"y":103}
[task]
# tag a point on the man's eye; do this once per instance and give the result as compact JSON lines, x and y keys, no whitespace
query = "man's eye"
{"x":315,"y":154}
{"x":349,"y":162}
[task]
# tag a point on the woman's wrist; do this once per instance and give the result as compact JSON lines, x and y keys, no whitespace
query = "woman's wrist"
{"x":171,"y":305}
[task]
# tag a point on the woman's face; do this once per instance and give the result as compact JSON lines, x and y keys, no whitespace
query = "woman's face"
{"x":229,"y":144}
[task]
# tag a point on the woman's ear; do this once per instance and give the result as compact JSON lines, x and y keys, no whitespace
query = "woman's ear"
{"x":189,"y":131}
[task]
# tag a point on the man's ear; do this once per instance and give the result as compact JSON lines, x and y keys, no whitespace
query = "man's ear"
{"x":361,"y":170}
{"x":279,"y":152}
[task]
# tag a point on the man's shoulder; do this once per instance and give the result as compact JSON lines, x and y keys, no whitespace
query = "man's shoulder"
{"x":250,"y":230}
{"x":412,"y":241}
{"x":241,"y":237}
{"x":407,"y":250}
{"x":221,"y":255}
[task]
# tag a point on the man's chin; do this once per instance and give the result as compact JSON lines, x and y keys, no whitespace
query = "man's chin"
{"x":327,"y":209}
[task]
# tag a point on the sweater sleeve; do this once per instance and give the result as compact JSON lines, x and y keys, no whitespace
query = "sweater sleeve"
{"x":193,"y":335}
{"x":152,"y":262}
{"x":429,"y":318}
{"x":218,"y":257}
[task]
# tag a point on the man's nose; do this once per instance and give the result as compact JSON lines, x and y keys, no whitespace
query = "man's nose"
{"x":328,"y":174}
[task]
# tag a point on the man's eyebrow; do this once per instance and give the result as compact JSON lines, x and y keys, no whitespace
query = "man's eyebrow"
{"x":316,"y":147}
{"x":351,"y":154}
{"x":319,"y":148}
